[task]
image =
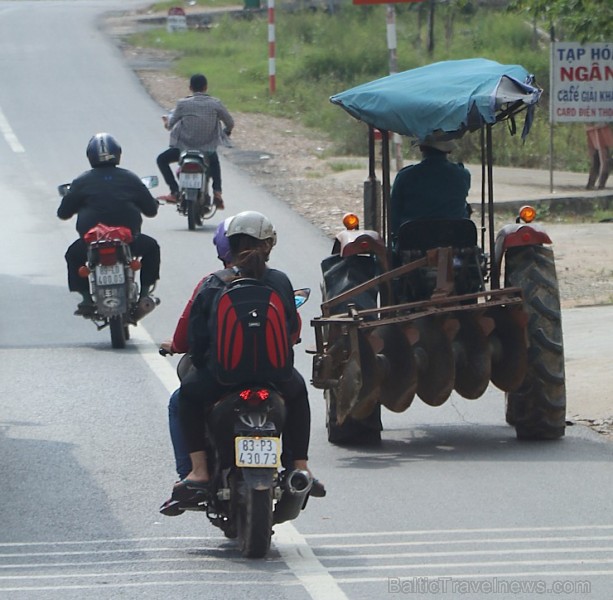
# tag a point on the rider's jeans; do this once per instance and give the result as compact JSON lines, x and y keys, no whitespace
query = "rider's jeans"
{"x":172,"y":155}
{"x":182,"y":460}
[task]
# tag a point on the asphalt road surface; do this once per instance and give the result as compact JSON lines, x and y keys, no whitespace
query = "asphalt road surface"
{"x":450,"y":505}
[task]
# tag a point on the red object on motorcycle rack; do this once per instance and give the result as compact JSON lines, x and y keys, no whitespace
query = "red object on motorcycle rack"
{"x":254,"y":397}
{"x":105,"y":233}
{"x":191,"y":167}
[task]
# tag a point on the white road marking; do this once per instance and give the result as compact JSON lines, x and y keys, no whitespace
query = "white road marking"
{"x":423,"y":532}
{"x":301,"y":560}
{"x":566,"y":574}
{"x":9,"y":135}
{"x":502,"y":540}
{"x":292,"y":546}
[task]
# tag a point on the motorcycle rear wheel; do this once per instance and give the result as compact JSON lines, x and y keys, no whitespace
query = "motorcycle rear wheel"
{"x":118,"y":332}
{"x":208,"y":208}
{"x":255,"y":522}
{"x":191,"y":215}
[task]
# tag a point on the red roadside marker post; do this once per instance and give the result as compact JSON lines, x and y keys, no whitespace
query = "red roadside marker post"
{"x":393,"y":62}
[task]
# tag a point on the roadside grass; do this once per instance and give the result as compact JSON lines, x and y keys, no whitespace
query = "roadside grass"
{"x":164,"y":6}
{"x":340,"y":166}
{"x":320,"y":54}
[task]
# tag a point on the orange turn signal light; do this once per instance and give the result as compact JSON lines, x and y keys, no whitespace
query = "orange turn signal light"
{"x":135,"y":264}
{"x":351,"y":221}
{"x":527,"y":214}
{"x":84,"y":271}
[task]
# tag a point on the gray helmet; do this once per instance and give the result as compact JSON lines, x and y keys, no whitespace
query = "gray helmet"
{"x":253,"y":224}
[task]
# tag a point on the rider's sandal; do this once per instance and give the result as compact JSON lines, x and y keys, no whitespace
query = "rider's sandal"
{"x":317,"y":489}
{"x":171,"y":198}
{"x":218,"y":200}
{"x":191,"y":491}
{"x":171,"y":508}
{"x":85,"y":309}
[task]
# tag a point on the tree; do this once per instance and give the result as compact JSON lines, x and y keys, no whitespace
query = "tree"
{"x":578,"y":20}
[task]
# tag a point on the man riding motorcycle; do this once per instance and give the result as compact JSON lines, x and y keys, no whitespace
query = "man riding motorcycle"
{"x":112,"y":196}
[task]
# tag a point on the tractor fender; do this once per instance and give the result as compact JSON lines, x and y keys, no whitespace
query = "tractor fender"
{"x":350,"y":242}
{"x":519,"y":234}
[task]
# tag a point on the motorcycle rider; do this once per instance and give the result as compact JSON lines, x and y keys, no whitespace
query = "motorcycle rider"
{"x":252,"y":237}
{"x":179,"y":345}
{"x":112,"y":196}
{"x":195,"y":124}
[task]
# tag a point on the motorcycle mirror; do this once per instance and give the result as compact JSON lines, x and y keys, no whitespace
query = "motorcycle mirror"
{"x":63,"y":189}
{"x":150,"y":181}
{"x":301,"y":296}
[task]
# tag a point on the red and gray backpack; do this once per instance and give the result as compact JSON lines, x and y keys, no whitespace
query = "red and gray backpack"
{"x":249,"y":330}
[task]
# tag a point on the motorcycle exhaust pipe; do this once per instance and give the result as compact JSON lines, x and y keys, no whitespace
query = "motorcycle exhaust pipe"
{"x":295,"y":486}
{"x":144,"y":307}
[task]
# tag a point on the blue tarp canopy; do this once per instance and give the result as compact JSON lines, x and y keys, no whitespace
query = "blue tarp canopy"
{"x":444,"y":99}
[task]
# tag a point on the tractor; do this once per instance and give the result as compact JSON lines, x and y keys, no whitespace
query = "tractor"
{"x":444,"y":305}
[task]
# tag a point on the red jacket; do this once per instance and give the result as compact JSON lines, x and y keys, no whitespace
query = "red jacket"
{"x":179,"y":339}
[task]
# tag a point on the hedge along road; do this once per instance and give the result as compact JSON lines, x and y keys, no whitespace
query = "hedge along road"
{"x":86,"y":456}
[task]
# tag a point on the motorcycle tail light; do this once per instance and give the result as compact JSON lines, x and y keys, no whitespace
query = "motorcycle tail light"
{"x":107,"y":256}
{"x":254,"y":397}
{"x":84,"y":271}
{"x":191,"y":167}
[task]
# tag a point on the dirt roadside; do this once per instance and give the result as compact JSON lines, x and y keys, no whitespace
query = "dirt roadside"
{"x":295,"y":165}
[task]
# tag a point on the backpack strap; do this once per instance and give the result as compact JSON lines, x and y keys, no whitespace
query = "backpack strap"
{"x":228,"y":275}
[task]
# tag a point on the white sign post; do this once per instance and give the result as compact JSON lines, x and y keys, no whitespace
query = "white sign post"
{"x":582,"y":82}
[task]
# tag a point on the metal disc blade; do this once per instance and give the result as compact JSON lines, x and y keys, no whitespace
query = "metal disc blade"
{"x":509,"y":347}
{"x":399,"y":376}
{"x":473,"y":358}
{"x":435,"y":360}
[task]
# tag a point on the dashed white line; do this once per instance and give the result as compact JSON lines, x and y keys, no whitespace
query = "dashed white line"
{"x":9,"y":135}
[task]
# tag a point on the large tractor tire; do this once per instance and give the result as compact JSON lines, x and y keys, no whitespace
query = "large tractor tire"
{"x":537,"y":409}
{"x":352,"y":432}
{"x":341,"y":274}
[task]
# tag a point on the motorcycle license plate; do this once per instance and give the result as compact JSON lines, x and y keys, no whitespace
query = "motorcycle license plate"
{"x":258,"y":452}
{"x":190,"y":180}
{"x":110,"y":275}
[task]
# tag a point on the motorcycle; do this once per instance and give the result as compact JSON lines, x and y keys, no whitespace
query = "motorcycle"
{"x":110,"y":269}
{"x":195,"y":201}
{"x":251,"y":489}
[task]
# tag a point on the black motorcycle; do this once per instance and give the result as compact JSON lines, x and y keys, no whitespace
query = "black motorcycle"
{"x":195,"y":200}
{"x":251,"y":491}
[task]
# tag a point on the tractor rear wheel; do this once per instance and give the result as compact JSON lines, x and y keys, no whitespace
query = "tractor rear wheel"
{"x":537,"y":409}
{"x":352,"y":432}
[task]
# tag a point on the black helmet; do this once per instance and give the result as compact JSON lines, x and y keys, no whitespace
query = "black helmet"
{"x":103,"y":150}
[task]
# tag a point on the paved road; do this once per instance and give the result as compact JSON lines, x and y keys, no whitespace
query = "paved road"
{"x":450,"y":499}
